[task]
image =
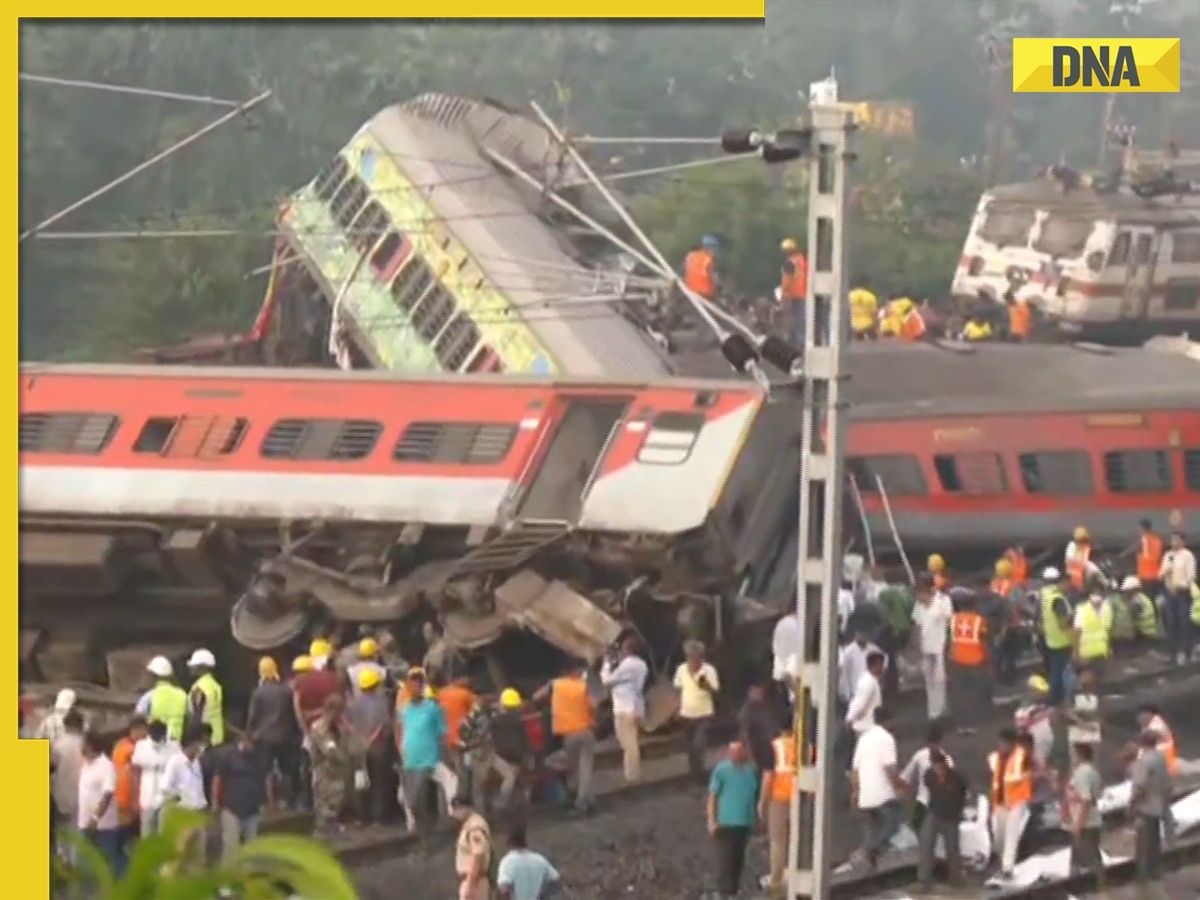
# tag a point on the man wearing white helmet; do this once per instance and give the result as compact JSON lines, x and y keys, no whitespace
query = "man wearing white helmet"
{"x":51,"y":727}
{"x":1058,"y":637}
{"x":166,"y":702}
{"x":1141,"y":609}
{"x":207,"y":697}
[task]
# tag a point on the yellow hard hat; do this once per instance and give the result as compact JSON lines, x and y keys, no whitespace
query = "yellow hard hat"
{"x":267,"y":668}
{"x":1038,"y":684}
{"x":788,"y":245}
{"x":1081,"y":534}
{"x":429,"y":692}
{"x":935,"y":563}
{"x":368,"y":648}
{"x":302,"y":664}
{"x":320,"y":647}
{"x":510,"y":698}
{"x":369,"y":678}
{"x":1003,"y":568}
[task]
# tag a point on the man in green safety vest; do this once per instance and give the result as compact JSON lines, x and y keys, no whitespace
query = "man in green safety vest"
{"x":207,"y":697}
{"x":1093,"y":633}
{"x":1054,"y":619}
{"x":1141,"y":609}
{"x":167,"y":702}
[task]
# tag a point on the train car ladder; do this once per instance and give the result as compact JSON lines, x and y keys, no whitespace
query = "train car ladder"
{"x":887,"y":511}
{"x":862,"y":517}
{"x":515,"y":544}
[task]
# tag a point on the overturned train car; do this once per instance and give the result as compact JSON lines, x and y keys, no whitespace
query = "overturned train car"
{"x":153,"y":498}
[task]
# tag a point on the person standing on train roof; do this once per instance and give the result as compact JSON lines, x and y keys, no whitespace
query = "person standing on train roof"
{"x":1177,"y":574}
{"x":793,"y":287}
{"x":1020,"y":317}
{"x":207,"y":697}
{"x":166,"y":701}
{"x":1054,"y":619}
{"x":700,"y":268}
{"x":864,"y":311}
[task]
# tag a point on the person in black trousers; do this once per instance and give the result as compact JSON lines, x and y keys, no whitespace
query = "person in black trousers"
{"x":947,"y":800}
{"x":732,"y":812}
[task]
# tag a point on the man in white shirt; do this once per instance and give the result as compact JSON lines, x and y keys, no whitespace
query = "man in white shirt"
{"x":150,"y":756}
{"x":51,"y":727}
{"x":867,"y":699}
{"x":932,"y":614}
{"x":697,"y":684}
{"x":626,"y":681}
{"x":66,"y":762}
{"x":785,"y":648}
{"x":913,"y":775}
{"x":182,"y":780}
{"x":852,"y":663}
{"x":846,"y":607}
{"x":96,"y":810}
{"x":1177,"y":574}
{"x":875,"y":788}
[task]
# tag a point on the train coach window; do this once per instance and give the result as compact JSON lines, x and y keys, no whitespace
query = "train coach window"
{"x":900,"y":475}
{"x":455,"y":443}
{"x":1191,"y":469}
{"x":192,"y":436}
{"x":1057,"y":472}
{"x":979,"y":474}
{"x":670,"y":439}
{"x":313,"y":439}
{"x":74,"y":433}
{"x":1138,"y":472}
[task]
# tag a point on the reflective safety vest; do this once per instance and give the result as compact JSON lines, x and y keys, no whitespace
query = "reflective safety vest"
{"x":1012,"y":779}
{"x":1077,"y":567}
{"x":1020,"y":319}
{"x":1166,"y":743}
{"x":699,"y":273}
{"x":1057,"y":637}
{"x":1195,"y":603}
{"x":1123,"y":627}
{"x":977,"y":331}
{"x":1002,"y":587}
{"x":1145,"y":616}
{"x":968,"y":633}
{"x":169,"y":705}
{"x":1150,"y":553}
{"x":794,"y":284}
{"x":214,"y":705}
{"x":784,"y":777}
{"x":864,"y":308}
{"x":1094,"y":627}
{"x":570,"y":707}
{"x":912,"y":327}
{"x":1020,"y":566}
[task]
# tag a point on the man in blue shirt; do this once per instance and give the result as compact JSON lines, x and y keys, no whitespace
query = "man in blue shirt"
{"x":422,"y":739}
{"x":524,"y":874}
{"x":732,"y":805}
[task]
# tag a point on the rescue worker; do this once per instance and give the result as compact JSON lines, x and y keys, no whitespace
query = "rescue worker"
{"x":335,"y":759}
{"x":207,"y":697}
{"x":910,"y":322}
{"x":1149,"y":558}
{"x":168,"y":701}
{"x":321,"y":653}
{"x":1093,"y":633}
{"x":977,"y":328}
{"x":1020,"y":565}
{"x":1054,"y":619}
{"x":936,"y":565}
{"x":1142,"y":609}
{"x":1078,"y":559}
{"x":510,"y":744}
{"x":368,"y":661}
{"x":1020,"y":318}
{"x":573,"y":721}
{"x":369,"y":714}
{"x":1035,"y":717}
{"x":793,"y":287}
{"x":774,"y":808}
{"x":1010,"y":795}
{"x":1008,"y":621}
{"x":970,"y":678}
{"x":700,"y":268}
{"x":864,"y":312}
{"x":1150,"y":718}
{"x":1178,"y":577}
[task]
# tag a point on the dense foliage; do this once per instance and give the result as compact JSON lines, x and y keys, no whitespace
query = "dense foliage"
{"x":95,"y":298}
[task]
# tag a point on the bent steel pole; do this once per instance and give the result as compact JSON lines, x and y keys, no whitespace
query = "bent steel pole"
{"x":819,"y":554}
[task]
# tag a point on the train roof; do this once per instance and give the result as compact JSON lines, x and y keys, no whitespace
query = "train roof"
{"x":886,"y":380}
{"x":1086,"y":201}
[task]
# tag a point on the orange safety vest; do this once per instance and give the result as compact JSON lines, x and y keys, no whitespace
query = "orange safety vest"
{"x":913,"y":326}
{"x":794,"y":284}
{"x":1077,"y":568}
{"x":1020,"y":566}
{"x":1150,"y":557}
{"x":570,"y":707}
{"x":699,"y":273}
{"x":1166,"y":743}
{"x":1002,"y":587}
{"x":1020,"y":319}
{"x":1013,"y":785}
{"x":968,"y":631}
{"x":783,"y":780}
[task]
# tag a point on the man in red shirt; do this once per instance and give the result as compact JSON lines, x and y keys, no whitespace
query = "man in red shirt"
{"x":311,"y":688}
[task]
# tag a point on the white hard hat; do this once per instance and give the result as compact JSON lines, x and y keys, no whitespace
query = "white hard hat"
{"x":160,"y":666}
{"x":1051,"y":574}
{"x":1131,"y":583}
{"x":64,"y":701}
{"x":201,"y":658}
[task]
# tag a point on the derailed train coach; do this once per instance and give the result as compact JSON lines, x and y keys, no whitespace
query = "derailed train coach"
{"x":158,"y":501}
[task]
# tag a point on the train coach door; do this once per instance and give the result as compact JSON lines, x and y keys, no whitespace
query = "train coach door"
{"x":1139,"y":280}
{"x":577,"y":447}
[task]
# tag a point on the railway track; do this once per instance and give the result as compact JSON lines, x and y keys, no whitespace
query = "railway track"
{"x":665,"y":770}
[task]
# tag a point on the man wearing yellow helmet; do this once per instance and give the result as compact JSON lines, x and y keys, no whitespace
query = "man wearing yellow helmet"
{"x":271,"y":724}
{"x":864,"y":311}
{"x":369,"y":713}
{"x":510,"y":743}
{"x":1008,"y":619}
{"x":368,"y":661}
{"x":793,"y":287}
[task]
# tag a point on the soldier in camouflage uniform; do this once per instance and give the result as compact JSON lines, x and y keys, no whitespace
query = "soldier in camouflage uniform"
{"x":335,"y":758}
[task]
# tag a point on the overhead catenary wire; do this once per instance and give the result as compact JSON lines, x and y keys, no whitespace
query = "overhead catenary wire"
{"x":127,"y":89}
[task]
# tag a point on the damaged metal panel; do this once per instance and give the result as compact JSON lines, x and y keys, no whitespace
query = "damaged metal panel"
{"x":557,"y":614}
{"x":185,"y":549}
{"x":65,"y":561}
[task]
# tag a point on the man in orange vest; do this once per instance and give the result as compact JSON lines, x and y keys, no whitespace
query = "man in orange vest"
{"x":1149,"y":559}
{"x":1020,"y":318}
{"x":1020,"y":565}
{"x":573,"y":720}
{"x":700,"y":268}
{"x":1078,"y":558}
{"x":1011,"y":790}
{"x":793,"y":287}
{"x":775,"y":807}
{"x":970,"y":675}
{"x":1007,"y":598}
{"x":1151,"y":721}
